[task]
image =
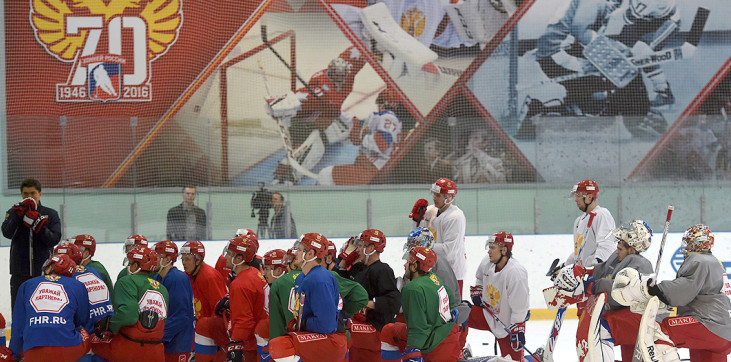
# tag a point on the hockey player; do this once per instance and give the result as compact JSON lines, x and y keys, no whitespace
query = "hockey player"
{"x":384,"y":298}
{"x":179,"y":326}
{"x":429,"y":332}
{"x":130,"y":243}
{"x":87,"y":245}
{"x":275,"y":266}
{"x":140,"y":309}
{"x":100,"y":301}
{"x":50,"y":314}
{"x":424,"y":237}
{"x":378,"y":136}
{"x":703,"y":322}
{"x":279,"y":296}
{"x":208,"y":284}
{"x":314,"y":330}
{"x":315,"y":111}
{"x":221,"y":262}
{"x":618,"y":322}
{"x":502,"y":287}
{"x":592,"y":229}
{"x":448,"y":227}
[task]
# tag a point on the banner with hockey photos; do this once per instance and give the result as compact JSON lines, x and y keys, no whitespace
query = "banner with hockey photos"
{"x":364,"y":92}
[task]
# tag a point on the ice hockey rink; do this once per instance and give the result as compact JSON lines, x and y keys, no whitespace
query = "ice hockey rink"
{"x":529,"y":250}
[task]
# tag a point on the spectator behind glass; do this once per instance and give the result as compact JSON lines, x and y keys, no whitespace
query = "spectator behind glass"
{"x":186,"y":221}
{"x":279,"y":227}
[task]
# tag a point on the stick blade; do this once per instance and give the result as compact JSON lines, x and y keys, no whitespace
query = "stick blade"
{"x":699,"y":23}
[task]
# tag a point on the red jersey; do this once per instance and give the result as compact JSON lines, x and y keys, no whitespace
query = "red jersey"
{"x":326,"y":106}
{"x":248,"y":295}
{"x":223,"y":269}
{"x":208,"y":288}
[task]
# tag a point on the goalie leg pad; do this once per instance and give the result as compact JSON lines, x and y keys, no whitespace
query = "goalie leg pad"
{"x":325,"y":177}
{"x":339,"y":130}
{"x":309,"y":153}
{"x":652,"y":343}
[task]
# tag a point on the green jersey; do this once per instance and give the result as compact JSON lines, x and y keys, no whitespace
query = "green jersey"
{"x":354,"y":296}
{"x":103,"y":271}
{"x":122,"y":273}
{"x":280,"y":310}
{"x":427,"y":305}
{"x":134,"y":293}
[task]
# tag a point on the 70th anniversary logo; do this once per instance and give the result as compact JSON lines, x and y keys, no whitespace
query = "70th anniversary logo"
{"x":111,"y":43}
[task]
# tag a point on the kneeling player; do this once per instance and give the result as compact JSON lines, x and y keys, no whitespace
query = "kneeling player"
{"x":314,"y":330}
{"x":703,"y":324}
{"x":427,"y":306}
{"x":50,"y":313}
{"x":501,"y":291}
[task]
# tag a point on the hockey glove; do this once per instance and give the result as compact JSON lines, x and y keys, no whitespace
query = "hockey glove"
{"x":553,"y":273}
{"x":6,"y":354}
{"x":234,"y":351}
{"x":34,"y":221}
{"x":476,"y":294}
{"x":569,"y":277}
{"x":630,"y":288}
{"x":101,"y":327}
{"x":24,"y":205}
{"x":223,"y":306}
{"x":417,"y":212}
{"x":292,"y":325}
{"x":517,"y":336}
{"x":412,"y":354}
{"x":348,"y":252}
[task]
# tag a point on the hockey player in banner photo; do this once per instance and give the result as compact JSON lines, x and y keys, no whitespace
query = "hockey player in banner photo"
{"x":703,"y":321}
{"x":50,"y":315}
{"x":448,"y":227}
{"x":502,"y":286}
{"x":140,"y":309}
{"x":180,"y":324}
{"x":429,"y":334}
{"x":619,"y":325}
{"x":314,"y":334}
{"x":384,"y":298}
{"x":378,"y":137}
{"x":312,"y":114}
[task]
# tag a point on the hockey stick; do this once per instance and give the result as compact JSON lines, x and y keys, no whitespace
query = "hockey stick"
{"x":284,"y":132}
{"x":508,"y":330}
{"x":265,"y":40}
{"x":664,"y":237}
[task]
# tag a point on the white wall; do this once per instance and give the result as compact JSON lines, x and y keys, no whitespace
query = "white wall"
{"x":535,"y":252}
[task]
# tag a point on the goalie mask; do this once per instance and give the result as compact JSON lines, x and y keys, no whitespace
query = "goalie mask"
{"x":697,"y":239}
{"x":337,"y":70}
{"x":388,"y":99}
{"x":419,"y":237}
{"x":637,"y":234}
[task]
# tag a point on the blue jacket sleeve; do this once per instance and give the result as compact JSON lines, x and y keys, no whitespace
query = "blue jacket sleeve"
{"x":19,"y":322}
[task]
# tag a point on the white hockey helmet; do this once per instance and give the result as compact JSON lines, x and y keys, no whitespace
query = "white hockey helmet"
{"x":636,"y":234}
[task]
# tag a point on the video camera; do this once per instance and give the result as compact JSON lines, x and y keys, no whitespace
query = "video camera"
{"x":261,"y":200}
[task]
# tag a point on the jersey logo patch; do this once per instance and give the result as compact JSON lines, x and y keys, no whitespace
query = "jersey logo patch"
{"x":493,"y":295}
{"x":361,"y":328}
{"x":154,"y":283}
{"x":434,"y":279}
{"x":98,"y":291}
{"x":154,"y":301}
{"x":680,"y":321}
{"x":49,"y":297}
{"x":309,"y":337}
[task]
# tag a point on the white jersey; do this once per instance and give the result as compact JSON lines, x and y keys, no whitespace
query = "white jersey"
{"x":379,"y":137}
{"x":419,"y":18}
{"x":506,"y":292}
{"x":596,"y":239}
{"x":449,"y":230}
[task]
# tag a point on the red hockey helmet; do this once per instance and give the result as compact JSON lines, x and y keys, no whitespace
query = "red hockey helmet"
{"x":85,"y":241}
{"x":167,"y":247}
{"x":375,"y":237}
{"x":331,"y":249}
{"x":146,"y":257}
{"x":194,"y":247}
{"x":62,"y":265}
{"x":291,"y":255}
{"x":133,"y":241}
{"x":275,"y":258}
{"x":388,"y":98}
{"x":69,"y":249}
{"x":502,"y":238}
{"x":243,"y":245}
{"x":249,"y":232}
{"x":426,"y":258}
{"x":444,"y":186}
{"x":314,"y":241}
{"x":585,"y":187}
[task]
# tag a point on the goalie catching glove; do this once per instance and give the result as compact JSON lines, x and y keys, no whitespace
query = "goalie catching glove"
{"x":630,"y":288}
{"x":574,"y":278}
{"x":284,"y":106}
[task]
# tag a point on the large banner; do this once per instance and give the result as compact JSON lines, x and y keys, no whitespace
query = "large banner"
{"x":110,"y":94}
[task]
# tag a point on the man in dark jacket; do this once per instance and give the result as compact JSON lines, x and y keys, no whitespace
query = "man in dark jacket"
{"x":33,"y":230}
{"x":187,"y":221}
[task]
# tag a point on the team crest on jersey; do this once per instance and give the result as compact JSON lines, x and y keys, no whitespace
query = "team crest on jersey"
{"x":434,"y":278}
{"x":154,"y":283}
{"x":493,"y":295}
{"x":413,"y":21}
{"x":111,"y":43}
{"x":53,"y":277}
